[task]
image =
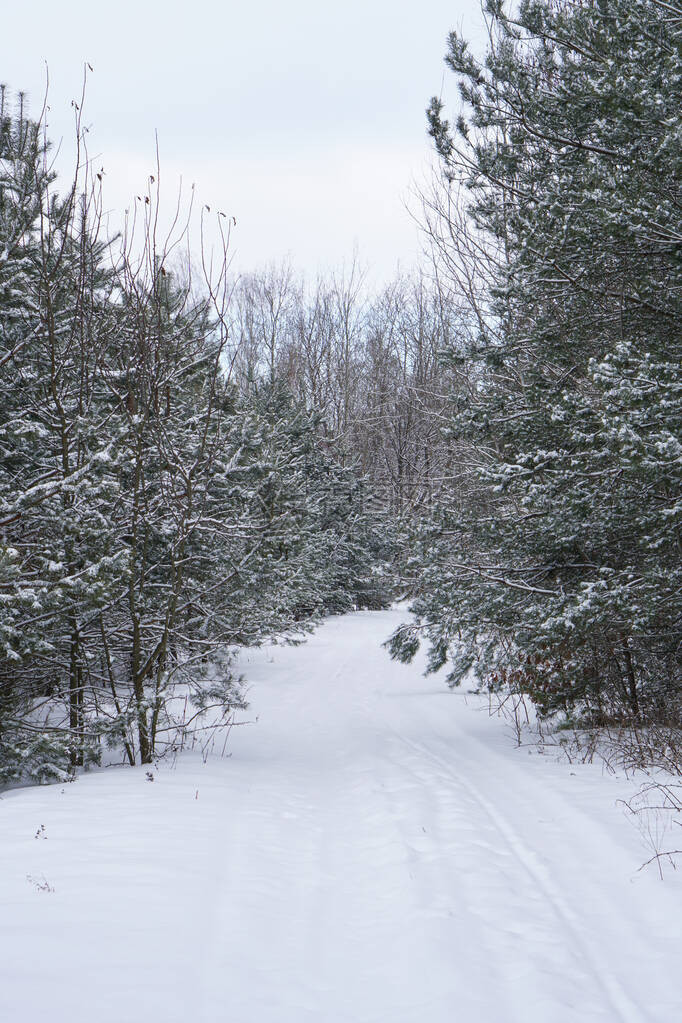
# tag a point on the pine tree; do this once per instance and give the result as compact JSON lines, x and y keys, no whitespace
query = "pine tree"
{"x":62,"y":564}
{"x":565,"y":573}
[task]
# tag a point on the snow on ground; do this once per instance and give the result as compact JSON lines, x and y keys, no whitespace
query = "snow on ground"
{"x":375,"y":850}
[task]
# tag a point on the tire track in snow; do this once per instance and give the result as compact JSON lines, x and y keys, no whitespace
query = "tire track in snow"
{"x":431,"y":870}
{"x":618,"y":999}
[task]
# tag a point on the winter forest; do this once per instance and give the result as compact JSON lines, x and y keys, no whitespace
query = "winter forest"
{"x":195,"y":464}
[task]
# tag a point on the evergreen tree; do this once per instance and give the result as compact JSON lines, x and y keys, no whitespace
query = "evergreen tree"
{"x":564,"y":575}
{"x":61,"y":564}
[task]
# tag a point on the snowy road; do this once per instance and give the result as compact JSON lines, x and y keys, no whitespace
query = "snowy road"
{"x":375,"y":851}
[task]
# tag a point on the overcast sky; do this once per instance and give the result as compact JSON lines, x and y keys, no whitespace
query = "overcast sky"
{"x":304,"y":120}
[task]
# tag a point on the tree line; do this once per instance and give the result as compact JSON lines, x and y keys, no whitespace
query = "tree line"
{"x":163,"y":500}
{"x":192,"y":462}
{"x":557,"y":216}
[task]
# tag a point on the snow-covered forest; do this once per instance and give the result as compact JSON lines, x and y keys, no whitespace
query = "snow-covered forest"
{"x":167,"y":495}
{"x":196,"y":463}
{"x":193,"y":462}
{"x":558,"y":572}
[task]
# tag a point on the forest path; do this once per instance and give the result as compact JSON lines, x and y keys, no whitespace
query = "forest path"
{"x":375,"y":850}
